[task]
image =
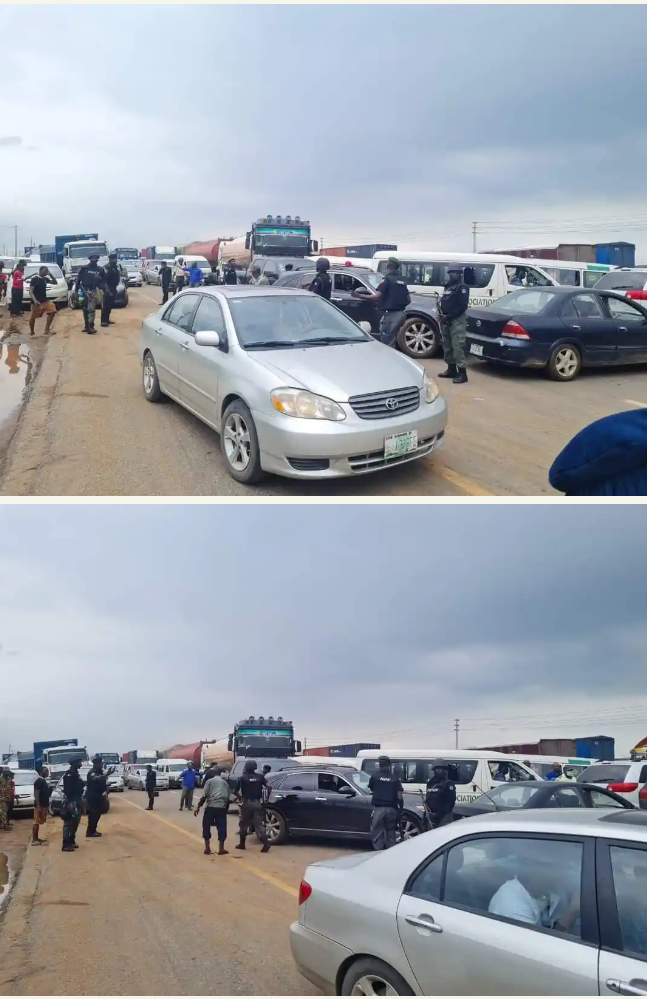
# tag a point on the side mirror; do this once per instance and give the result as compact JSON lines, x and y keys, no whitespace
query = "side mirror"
{"x":207,"y":338}
{"x":230,"y":744}
{"x":247,"y":241}
{"x":315,"y":246}
{"x":366,"y":326}
{"x":297,"y":746}
{"x":348,"y":791}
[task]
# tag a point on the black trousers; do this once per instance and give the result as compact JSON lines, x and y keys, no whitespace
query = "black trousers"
{"x":151,"y":798}
{"x":165,"y":294}
{"x":108,"y":305}
{"x":215,"y":817}
{"x":251,"y":816}
{"x":15,"y":308}
{"x":70,"y":826}
{"x":94,"y":814}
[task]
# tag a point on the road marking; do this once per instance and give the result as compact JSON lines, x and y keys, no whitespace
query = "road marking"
{"x":257,"y":871}
{"x":639,"y":405}
{"x":461,"y":481}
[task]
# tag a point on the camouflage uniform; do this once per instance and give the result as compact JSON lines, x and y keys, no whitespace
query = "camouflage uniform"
{"x":5,"y":801}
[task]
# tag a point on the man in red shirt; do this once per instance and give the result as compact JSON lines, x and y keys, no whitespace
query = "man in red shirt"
{"x":17,"y":289}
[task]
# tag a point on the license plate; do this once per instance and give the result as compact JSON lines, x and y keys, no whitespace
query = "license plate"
{"x":398,"y":444}
{"x":477,"y":349}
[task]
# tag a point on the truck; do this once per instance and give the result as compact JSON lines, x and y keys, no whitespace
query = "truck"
{"x":141,"y":756}
{"x":270,"y":236}
{"x":73,"y":252}
{"x":256,"y":737}
{"x":57,"y":756}
{"x":127,"y":253}
{"x":109,"y":759}
{"x":159,"y":252}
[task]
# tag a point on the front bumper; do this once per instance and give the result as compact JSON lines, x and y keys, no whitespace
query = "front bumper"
{"x":521,"y":353}
{"x":320,"y":449}
{"x":23,"y":804}
{"x":317,"y":957}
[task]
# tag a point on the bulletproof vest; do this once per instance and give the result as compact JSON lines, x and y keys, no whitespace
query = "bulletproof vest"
{"x":396,"y":297}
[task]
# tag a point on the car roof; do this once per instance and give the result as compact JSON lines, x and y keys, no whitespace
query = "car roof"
{"x":245,"y":291}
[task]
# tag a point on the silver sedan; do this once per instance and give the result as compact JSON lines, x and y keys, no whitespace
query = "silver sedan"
{"x":548,"y":902}
{"x":291,"y":384}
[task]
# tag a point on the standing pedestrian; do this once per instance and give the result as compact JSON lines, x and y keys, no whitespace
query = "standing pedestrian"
{"x":392,"y":296}
{"x":41,"y":804}
{"x":322,"y":283}
{"x":555,"y":773}
{"x":267,"y":770}
{"x":90,"y":280}
{"x":165,"y":280}
{"x":441,"y":794}
{"x":189,"y":780}
{"x":251,"y":788}
{"x":180,"y":274}
{"x":112,"y":278}
{"x":17,"y":289}
{"x":196,"y":277}
{"x":215,"y":794}
{"x":453,"y":324}
{"x":387,"y":802}
{"x":96,"y":793}
{"x":72,"y":805}
{"x":3,"y":282}
{"x":151,"y":785}
{"x":230,"y":274}
{"x":6,"y":797}
{"x":39,"y":303}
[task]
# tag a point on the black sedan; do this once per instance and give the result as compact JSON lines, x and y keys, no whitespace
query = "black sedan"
{"x":540,"y":794}
{"x":419,"y":335}
{"x":559,"y":329}
{"x":334,"y":802}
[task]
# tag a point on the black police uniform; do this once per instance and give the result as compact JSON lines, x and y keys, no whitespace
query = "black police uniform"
{"x":151,"y":785}
{"x":394,"y":300}
{"x":72,"y":806}
{"x":386,"y":790}
{"x":453,"y":323}
{"x":251,"y":788}
{"x":95,"y":791}
{"x":113,"y":277}
{"x":230,"y":275}
{"x":440,"y":799}
{"x":166,"y":274}
{"x":322,"y":285}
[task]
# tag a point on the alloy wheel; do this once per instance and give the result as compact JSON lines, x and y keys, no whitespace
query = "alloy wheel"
{"x":409,"y":829}
{"x":419,"y":337}
{"x":237,"y":441}
{"x":566,"y":362}
{"x":272,"y":826}
{"x":373,"y":985}
{"x":149,"y":374}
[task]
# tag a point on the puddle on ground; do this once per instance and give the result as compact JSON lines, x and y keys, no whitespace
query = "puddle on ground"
{"x":16,"y":370}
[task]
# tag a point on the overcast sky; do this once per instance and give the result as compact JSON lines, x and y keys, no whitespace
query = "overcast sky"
{"x":139,"y":627}
{"x":168,"y":123}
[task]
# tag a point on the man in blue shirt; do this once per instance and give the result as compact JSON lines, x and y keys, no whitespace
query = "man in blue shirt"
{"x":189,"y":781}
{"x":196,"y":276}
{"x":555,"y":773}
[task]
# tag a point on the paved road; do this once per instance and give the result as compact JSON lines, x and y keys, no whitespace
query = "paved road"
{"x":142,"y":911}
{"x":87,"y":429}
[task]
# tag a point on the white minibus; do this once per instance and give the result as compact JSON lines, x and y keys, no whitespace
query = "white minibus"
{"x":574,"y":273}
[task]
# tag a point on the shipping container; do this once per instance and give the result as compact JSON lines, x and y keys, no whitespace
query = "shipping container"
{"x":353,"y":748}
{"x":596,"y":747}
{"x":321,"y":751}
{"x":368,"y":250}
{"x":333,"y":251}
{"x":616,"y":254}
{"x":545,"y":747}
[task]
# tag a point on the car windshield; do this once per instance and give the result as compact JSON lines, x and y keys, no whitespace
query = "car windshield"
{"x":529,"y":301}
{"x":622,"y":281}
{"x":614,"y":773}
{"x":277,"y":321}
{"x":87,"y":248}
{"x":32,"y":269}
{"x":177,"y":767}
{"x":24,"y":776}
{"x":359,"y":778}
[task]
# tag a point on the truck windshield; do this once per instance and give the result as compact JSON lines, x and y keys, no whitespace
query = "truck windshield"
{"x":258,"y":742}
{"x":85,"y":249}
{"x":283,"y":242}
{"x":127,"y":254}
{"x":65,"y":756}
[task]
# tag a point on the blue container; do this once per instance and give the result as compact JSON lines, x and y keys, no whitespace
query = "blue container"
{"x":616,"y":254}
{"x":352,"y":748}
{"x":596,"y":747}
{"x":368,"y":250}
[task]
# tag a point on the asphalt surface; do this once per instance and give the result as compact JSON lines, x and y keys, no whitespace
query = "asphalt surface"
{"x":86,"y":429}
{"x":142,"y":911}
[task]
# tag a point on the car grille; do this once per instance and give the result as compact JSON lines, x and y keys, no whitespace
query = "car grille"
{"x":309,"y":464}
{"x":379,"y":405}
{"x":375,"y":459}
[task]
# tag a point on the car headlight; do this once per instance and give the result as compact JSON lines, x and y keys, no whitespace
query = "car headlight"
{"x":306,"y":405}
{"x":429,"y":388}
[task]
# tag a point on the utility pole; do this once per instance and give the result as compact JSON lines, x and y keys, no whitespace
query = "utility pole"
{"x":457,"y":725}
{"x":474,"y":231}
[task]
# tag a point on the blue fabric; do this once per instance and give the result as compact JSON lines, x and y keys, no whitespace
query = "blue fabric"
{"x":607,"y":458}
{"x":551,"y":775}
{"x":195,"y":276}
{"x":189,"y":778}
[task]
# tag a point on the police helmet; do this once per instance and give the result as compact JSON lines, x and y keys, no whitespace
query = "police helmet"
{"x":455,"y":269}
{"x":323,"y":264}
{"x":250,"y":767}
{"x":93,"y":256}
{"x":112,"y":255}
{"x":440,"y":765}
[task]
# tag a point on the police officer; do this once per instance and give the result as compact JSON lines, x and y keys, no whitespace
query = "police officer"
{"x":441,"y":795}
{"x":112,"y":278}
{"x":73,"y":806}
{"x":322,"y":283}
{"x":96,"y":792}
{"x":392,"y":297}
{"x":230,"y":276}
{"x":387,"y":803}
{"x":453,"y":324}
{"x":251,"y":787}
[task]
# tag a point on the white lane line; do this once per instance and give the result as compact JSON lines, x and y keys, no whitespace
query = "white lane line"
{"x":639,"y":405}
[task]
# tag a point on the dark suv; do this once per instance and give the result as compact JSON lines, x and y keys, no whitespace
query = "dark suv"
{"x":419,"y":335}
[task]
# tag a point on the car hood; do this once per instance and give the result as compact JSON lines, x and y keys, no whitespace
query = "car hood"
{"x":339,"y":372}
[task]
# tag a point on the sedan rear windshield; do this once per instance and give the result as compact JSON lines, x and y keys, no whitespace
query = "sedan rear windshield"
{"x":276,"y":321}
{"x":527,"y":302}
{"x":622,"y":281}
{"x":614,"y":773}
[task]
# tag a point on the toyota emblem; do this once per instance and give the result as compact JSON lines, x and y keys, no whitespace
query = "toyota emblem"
{"x":391,"y":404}
{"x":478,"y":322}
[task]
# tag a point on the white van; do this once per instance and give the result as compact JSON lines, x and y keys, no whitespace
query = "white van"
{"x":543,"y":764}
{"x":574,"y":273}
{"x":202,"y":262}
{"x":173,"y":769}
{"x":328,"y":761}
{"x":476,"y":771}
{"x":488,"y":275}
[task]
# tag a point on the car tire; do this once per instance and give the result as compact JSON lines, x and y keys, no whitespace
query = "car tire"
{"x":150,"y":379}
{"x":410,"y":827}
{"x":373,"y":977}
{"x":239,"y":444}
{"x":276,"y":828}
{"x":565,"y":363}
{"x":419,"y":338}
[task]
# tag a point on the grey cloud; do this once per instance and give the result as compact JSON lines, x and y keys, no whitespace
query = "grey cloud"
{"x":10,"y":140}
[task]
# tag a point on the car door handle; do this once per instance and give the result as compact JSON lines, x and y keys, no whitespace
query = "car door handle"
{"x":424,"y":923}
{"x":185,"y":345}
{"x":335,"y":298}
{"x":321,"y":799}
{"x":576,"y":327}
{"x":623,"y":329}
{"x":158,"y":331}
{"x":636,"y":987}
